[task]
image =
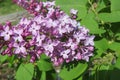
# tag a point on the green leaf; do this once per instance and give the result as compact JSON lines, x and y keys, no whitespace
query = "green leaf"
{"x":115,"y":5}
{"x":100,"y":5}
{"x":115,"y":46}
{"x":43,"y":76}
{"x":73,"y":73}
{"x":110,"y":17}
{"x":43,"y":56}
{"x":90,"y":22}
{"x":101,"y":46}
{"x":118,"y":36}
{"x":81,"y":78}
{"x":3,"y":58}
{"x":104,"y":67}
{"x":51,"y":75}
{"x":117,"y":64}
{"x":11,"y":60}
{"x":25,"y":71}
{"x":80,"y":5}
{"x":44,"y":65}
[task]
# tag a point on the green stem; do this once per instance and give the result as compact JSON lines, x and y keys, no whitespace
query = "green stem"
{"x":96,"y":13}
{"x":57,"y":69}
{"x":98,"y":72}
{"x":58,"y":77}
{"x":92,"y":7}
{"x":43,"y":76}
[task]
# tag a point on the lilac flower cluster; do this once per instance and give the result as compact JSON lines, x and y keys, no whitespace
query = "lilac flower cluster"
{"x":50,"y":31}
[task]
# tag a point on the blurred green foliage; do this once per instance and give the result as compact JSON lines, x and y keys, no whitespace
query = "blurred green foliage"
{"x":7,"y":6}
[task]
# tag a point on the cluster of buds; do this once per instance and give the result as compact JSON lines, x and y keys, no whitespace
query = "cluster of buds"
{"x":51,"y":31}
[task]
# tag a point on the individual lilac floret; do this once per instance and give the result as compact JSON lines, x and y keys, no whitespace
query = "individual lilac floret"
{"x":89,"y":40}
{"x":18,"y":35}
{"x":6,"y":32}
{"x":39,"y":39}
{"x":20,"y":48}
{"x":73,"y":11}
{"x":51,"y":32}
{"x":34,"y":28}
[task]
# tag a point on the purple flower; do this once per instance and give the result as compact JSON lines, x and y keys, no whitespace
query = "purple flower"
{"x":18,"y":35}
{"x":73,"y":11}
{"x":65,"y":53}
{"x":34,"y":28}
{"x":78,"y":56}
{"x":39,"y":39}
{"x":7,"y":51}
{"x":83,"y":30}
{"x":49,"y":31}
{"x":89,"y":40}
{"x":49,"y":46}
{"x":71,"y":44}
{"x":38,"y":8}
{"x":50,"y":23}
{"x":49,"y":4}
{"x":6,"y":33}
{"x":79,"y":36}
{"x":38,"y":19}
{"x":20,"y":48}
{"x":24,"y":21}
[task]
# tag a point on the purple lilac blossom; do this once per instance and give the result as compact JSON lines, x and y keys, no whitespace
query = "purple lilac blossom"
{"x":73,"y":11}
{"x":51,"y":31}
{"x":6,"y":32}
